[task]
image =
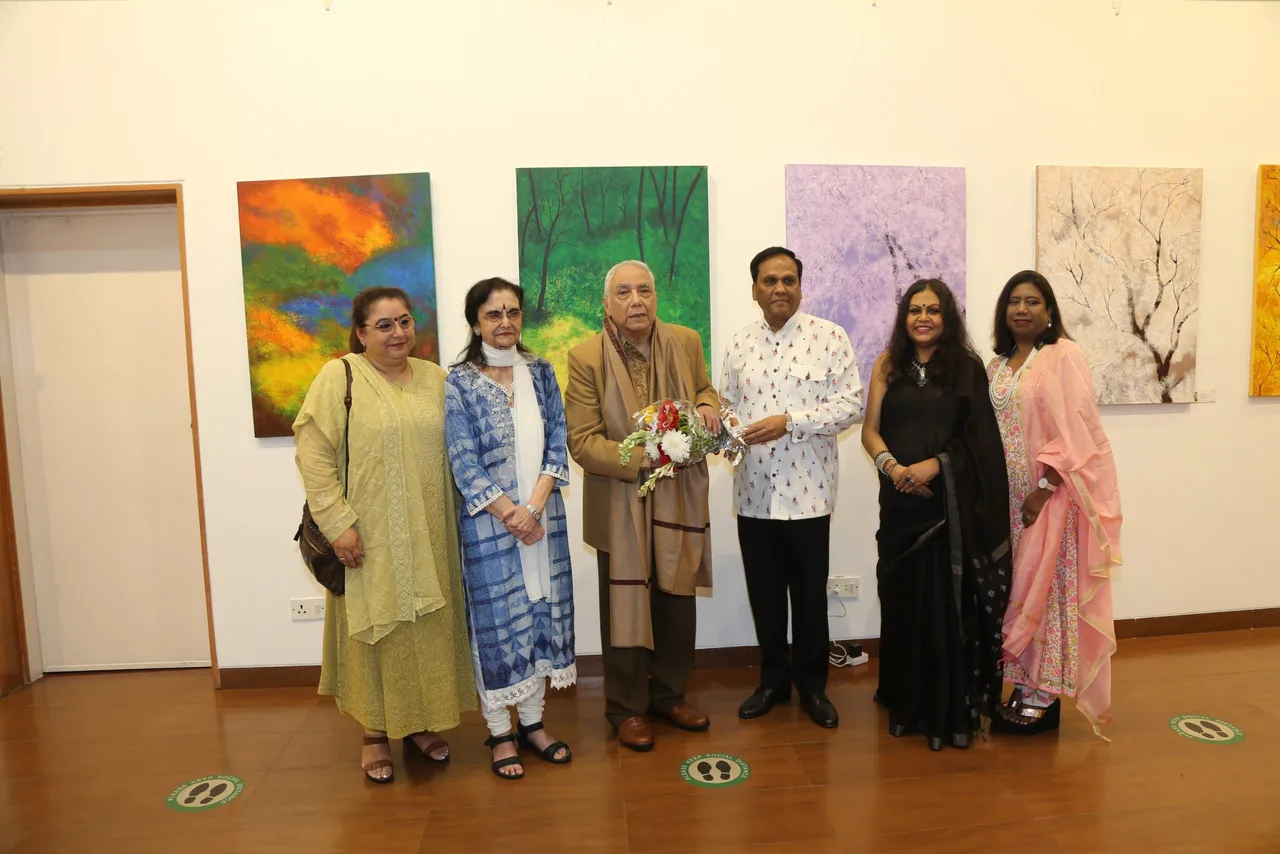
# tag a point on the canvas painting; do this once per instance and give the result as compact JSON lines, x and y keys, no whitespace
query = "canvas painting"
{"x":1264,"y":373}
{"x":1121,"y":247}
{"x":307,"y":246}
{"x":576,"y":223}
{"x":866,"y":234}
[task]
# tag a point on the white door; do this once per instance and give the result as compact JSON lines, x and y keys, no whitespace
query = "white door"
{"x":103,"y":423}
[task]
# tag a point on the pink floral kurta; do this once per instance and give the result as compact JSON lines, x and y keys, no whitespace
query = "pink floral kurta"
{"x":1059,"y":652}
{"x":1059,"y":629}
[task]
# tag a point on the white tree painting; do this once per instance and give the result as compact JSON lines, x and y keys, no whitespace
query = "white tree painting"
{"x":1121,"y":248}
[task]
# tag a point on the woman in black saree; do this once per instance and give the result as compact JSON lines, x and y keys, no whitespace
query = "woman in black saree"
{"x":944,"y":563}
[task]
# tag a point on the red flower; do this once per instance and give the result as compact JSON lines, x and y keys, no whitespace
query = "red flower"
{"x":668,"y":416}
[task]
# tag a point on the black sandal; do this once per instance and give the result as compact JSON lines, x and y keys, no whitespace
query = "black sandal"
{"x":499,"y":764}
{"x":549,"y":754}
{"x":378,"y":764}
{"x":1022,"y":718}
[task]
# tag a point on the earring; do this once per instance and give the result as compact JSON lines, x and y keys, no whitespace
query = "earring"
{"x":1050,"y":324}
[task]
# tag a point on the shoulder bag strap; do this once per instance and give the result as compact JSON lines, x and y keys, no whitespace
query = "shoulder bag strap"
{"x":346,"y":432}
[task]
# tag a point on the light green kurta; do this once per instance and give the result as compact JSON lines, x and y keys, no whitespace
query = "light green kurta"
{"x":396,"y":654}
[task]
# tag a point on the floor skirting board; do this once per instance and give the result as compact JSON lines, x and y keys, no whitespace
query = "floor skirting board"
{"x":721,"y":658}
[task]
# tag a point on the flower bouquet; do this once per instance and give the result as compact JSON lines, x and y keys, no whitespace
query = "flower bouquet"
{"x":673,"y":435}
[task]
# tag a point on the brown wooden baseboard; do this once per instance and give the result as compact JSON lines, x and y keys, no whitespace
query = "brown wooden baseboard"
{"x":295,"y":676}
{"x":723,"y":658}
{"x":1194,"y":624}
{"x":308,"y":675}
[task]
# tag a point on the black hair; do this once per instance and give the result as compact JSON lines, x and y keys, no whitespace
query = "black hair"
{"x":773,"y":252}
{"x":1002,"y":336}
{"x":476,"y":297}
{"x":953,"y":345}
{"x":364,"y":303}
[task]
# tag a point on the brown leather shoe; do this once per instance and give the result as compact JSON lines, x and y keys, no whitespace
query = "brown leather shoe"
{"x":635,"y":733}
{"x":687,"y":717}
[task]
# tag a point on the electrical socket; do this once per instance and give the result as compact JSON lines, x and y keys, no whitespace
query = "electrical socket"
{"x":306,"y":609}
{"x":844,"y":586}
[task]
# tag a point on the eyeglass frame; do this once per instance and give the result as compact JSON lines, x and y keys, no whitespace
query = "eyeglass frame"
{"x":404,"y":321}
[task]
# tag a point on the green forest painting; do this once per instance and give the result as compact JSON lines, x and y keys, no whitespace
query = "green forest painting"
{"x":574,"y":224}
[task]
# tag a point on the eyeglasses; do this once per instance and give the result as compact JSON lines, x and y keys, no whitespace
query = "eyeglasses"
{"x":496,"y":316}
{"x":385,"y":326}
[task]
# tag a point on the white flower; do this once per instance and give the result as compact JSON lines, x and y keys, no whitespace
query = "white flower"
{"x":651,"y":448}
{"x":676,"y":445}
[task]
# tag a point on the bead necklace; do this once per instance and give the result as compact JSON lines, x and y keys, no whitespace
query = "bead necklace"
{"x":1001,"y":401}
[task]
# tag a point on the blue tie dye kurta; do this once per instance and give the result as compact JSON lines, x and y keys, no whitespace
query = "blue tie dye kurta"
{"x":518,"y":641}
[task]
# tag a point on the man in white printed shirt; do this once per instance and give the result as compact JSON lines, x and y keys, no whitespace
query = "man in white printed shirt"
{"x":793,"y":379}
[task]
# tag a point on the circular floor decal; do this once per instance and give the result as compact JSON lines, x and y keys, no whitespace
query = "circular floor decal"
{"x":205,"y":793}
{"x":1201,"y":728}
{"x":714,"y":770}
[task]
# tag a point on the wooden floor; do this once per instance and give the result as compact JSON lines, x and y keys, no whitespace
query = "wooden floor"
{"x":87,"y":761}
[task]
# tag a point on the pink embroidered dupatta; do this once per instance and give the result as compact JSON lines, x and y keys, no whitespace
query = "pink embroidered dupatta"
{"x":1063,"y":431}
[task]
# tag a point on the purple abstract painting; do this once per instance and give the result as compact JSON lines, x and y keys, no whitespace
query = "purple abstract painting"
{"x":865,"y":234}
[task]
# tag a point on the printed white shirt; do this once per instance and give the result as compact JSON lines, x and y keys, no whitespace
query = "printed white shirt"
{"x":806,"y":368}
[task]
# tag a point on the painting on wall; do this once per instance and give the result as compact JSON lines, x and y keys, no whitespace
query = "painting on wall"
{"x":1121,"y":247}
{"x":866,"y":234}
{"x":575,"y":223}
{"x":1264,"y":368}
{"x":307,"y":246}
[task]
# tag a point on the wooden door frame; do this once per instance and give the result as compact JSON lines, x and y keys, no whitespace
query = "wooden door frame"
{"x":43,"y":199}
{"x":11,"y":613}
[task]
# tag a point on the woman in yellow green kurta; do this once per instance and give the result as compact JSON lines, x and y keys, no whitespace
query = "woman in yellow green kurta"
{"x":396,"y":654}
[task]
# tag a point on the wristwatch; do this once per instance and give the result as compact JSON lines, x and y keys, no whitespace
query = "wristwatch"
{"x":790,"y":422}
{"x":1045,"y":484}
{"x":537,"y":514}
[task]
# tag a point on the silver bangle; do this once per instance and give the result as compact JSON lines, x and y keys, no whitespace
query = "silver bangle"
{"x":882,"y":461}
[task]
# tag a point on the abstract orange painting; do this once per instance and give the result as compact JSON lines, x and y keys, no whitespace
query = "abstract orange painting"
{"x":307,"y":247}
{"x":1264,"y":372}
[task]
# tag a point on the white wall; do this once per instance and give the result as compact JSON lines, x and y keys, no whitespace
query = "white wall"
{"x":213,"y":92}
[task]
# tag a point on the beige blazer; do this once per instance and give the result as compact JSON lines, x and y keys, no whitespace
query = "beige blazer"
{"x":589,"y":445}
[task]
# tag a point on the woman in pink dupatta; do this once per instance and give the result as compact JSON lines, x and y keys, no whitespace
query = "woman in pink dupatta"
{"x":1059,"y":631}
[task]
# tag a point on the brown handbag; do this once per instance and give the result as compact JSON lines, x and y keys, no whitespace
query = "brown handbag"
{"x":317,"y":552}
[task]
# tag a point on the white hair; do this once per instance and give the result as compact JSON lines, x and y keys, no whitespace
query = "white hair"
{"x":613,"y":272}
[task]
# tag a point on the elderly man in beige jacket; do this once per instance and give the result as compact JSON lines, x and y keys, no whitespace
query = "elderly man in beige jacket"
{"x":654,"y":553}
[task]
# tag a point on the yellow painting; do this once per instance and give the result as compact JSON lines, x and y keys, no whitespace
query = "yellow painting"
{"x":1264,"y":374}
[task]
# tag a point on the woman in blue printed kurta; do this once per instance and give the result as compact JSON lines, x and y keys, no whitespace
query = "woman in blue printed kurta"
{"x":504,"y":423}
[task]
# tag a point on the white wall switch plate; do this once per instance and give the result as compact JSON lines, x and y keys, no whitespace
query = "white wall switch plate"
{"x":306,"y":609}
{"x":844,"y":586}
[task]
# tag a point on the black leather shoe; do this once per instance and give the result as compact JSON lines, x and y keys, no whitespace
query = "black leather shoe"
{"x":761,"y":703}
{"x":823,"y":713}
